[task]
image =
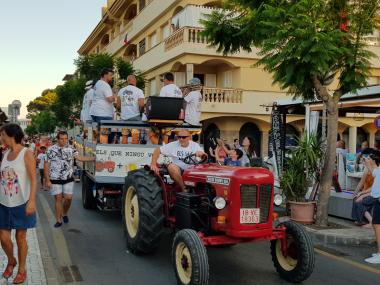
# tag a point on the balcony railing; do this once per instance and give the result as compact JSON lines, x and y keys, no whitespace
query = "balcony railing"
{"x":222,"y":95}
{"x":185,"y":34}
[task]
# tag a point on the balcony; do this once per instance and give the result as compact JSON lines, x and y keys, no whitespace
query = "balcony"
{"x":222,"y":95}
{"x":185,"y":34}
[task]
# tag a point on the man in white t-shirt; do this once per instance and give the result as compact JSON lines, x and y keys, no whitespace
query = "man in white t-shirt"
{"x":87,"y":101}
{"x":102,"y":103}
{"x":130,"y":100}
{"x":193,"y":103}
{"x":177,"y":150}
{"x":170,"y":89}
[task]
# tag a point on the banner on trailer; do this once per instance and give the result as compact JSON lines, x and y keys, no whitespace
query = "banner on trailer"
{"x":117,"y":161}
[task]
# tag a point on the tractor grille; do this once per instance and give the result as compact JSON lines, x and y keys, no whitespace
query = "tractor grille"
{"x":265,"y":200}
{"x":249,"y":198}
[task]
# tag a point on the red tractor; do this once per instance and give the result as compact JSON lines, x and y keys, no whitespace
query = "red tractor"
{"x":223,"y":206}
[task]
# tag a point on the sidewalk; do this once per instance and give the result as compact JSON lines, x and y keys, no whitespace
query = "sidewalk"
{"x":347,"y":234}
{"x":35,"y":268}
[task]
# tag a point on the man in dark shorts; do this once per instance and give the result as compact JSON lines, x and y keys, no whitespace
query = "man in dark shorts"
{"x":372,"y":163}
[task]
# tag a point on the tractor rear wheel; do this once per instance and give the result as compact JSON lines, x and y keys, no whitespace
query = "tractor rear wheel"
{"x":190,"y":259}
{"x":142,"y":211}
{"x":88,"y":200}
{"x":298,"y":264}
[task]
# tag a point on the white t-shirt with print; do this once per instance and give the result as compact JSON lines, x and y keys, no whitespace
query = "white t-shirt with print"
{"x":375,"y":189}
{"x":177,"y":152}
{"x":129,"y":97}
{"x":100,"y":106}
{"x":41,"y":160}
{"x":171,"y":90}
{"x":61,"y":161}
{"x":193,"y":107}
{"x":87,"y":101}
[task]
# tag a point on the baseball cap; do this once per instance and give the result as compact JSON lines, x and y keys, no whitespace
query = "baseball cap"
{"x":195,"y":81}
{"x":88,"y":85}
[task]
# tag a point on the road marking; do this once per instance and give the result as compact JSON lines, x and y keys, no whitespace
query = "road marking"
{"x":348,"y":261}
{"x":64,"y":259}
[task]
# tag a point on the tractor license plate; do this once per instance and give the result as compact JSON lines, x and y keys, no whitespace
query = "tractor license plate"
{"x":250,"y":216}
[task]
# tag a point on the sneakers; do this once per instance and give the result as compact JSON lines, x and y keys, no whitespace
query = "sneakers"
{"x":65,"y":219}
{"x":57,"y":224}
{"x":375,"y":259}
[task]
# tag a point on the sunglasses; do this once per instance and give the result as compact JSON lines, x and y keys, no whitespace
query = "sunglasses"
{"x":182,"y":137}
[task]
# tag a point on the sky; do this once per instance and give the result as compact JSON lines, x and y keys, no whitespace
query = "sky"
{"x":39,"y":40}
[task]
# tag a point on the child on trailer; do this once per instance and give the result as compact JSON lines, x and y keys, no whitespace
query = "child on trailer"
{"x":372,"y":163}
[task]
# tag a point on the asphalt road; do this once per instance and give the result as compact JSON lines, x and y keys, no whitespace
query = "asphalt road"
{"x":91,"y":250}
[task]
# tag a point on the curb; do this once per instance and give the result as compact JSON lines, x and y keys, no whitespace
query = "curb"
{"x":321,"y":237}
{"x":47,"y":261}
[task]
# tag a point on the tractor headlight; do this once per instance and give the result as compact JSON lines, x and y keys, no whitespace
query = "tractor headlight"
{"x":220,"y":203}
{"x":277,"y":199}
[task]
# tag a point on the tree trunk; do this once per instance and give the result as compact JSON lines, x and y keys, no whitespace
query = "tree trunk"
{"x":329,"y":162}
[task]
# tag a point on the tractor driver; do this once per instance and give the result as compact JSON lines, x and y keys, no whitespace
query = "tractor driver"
{"x":177,"y":150}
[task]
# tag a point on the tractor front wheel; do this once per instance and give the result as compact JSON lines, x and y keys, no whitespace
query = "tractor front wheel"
{"x":189,"y":258}
{"x":297,"y":262}
{"x":142,"y":212}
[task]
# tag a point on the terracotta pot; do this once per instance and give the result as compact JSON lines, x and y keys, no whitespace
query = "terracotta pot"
{"x":302,"y":212}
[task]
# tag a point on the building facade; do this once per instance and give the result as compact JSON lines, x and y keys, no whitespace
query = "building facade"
{"x":158,"y":36}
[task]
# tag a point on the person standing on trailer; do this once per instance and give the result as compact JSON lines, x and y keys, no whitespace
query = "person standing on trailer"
{"x":193,"y":103}
{"x":170,"y":89}
{"x":130,"y":100}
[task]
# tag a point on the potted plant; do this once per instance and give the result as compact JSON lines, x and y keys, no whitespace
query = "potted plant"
{"x":301,"y":170}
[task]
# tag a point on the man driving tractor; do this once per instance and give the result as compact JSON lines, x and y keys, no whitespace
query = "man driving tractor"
{"x":177,"y":150}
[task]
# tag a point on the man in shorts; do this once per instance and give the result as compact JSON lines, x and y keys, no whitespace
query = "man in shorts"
{"x":59,"y":170}
{"x":177,"y":150}
{"x":372,"y":163}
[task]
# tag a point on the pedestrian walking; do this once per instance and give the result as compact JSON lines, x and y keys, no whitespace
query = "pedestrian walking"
{"x":59,"y":171}
{"x":17,"y":199}
{"x":41,"y":158}
{"x":373,"y":165}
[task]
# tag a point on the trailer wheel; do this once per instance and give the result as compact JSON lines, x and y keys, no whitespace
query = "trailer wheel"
{"x":88,"y":200}
{"x":190,"y":259}
{"x":142,"y":211}
{"x":298,"y":264}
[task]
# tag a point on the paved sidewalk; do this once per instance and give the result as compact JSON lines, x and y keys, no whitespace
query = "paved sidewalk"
{"x":35,"y":268}
{"x":349,"y":234}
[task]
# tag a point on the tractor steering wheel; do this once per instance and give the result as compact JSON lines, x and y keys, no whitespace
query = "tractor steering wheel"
{"x":192,"y":159}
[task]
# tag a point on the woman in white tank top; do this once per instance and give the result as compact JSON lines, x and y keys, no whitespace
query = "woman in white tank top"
{"x":18,"y":186}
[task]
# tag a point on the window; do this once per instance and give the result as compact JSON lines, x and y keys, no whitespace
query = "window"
{"x":141,"y":47}
{"x":153,"y":40}
{"x":227,"y":79}
{"x":141,"y":5}
{"x":210,"y":80}
{"x":165,"y":31}
{"x":180,"y":78}
{"x":152,"y":87}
